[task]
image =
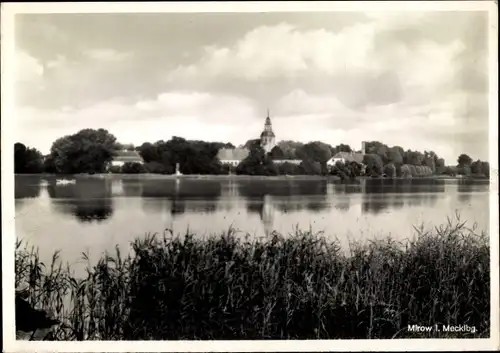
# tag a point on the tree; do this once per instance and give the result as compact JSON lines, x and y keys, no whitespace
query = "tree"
{"x":48,"y":165}
{"x":463,"y":170}
{"x":27,"y":160}
{"x":194,"y":157}
{"x":149,"y":152}
{"x":480,"y":168}
{"x":398,"y":149}
{"x":316,"y":151}
{"x":440,"y":166}
{"x":355,"y":169}
{"x":290,"y":148}
{"x":133,"y":168}
{"x":394,"y":156}
{"x":349,"y":170}
{"x":253,"y":164}
{"x":277,"y":153}
{"x":19,"y":158}
{"x":464,"y":160}
{"x":340,"y":170}
{"x":429,"y":162}
{"x":115,"y":169}
{"x":310,"y":167}
{"x":155,"y":167}
{"x":485,"y":169}
{"x":450,"y":170}
{"x":405,"y":171}
{"x":87,"y":151}
{"x":341,"y":148}
{"x":476,"y":167}
{"x":413,"y":158}
{"x":373,"y":164}
{"x":413,"y":170}
{"x":288,"y":169}
{"x":390,"y":170}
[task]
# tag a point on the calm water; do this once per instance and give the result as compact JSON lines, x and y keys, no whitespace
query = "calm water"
{"x":95,"y":214}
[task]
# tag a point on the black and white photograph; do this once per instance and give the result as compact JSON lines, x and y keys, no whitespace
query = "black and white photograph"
{"x":250,"y":173}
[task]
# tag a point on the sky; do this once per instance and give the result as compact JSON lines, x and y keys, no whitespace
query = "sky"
{"x":413,"y":79}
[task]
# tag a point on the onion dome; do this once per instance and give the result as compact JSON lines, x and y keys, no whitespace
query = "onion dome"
{"x":267,"y":133}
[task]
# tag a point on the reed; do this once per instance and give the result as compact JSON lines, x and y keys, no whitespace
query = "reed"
{"x":300,"y":286}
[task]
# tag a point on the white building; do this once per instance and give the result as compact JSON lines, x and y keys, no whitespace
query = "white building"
{"x":347,"y":157}
{"x":232,"y":156}
{"x":122,"y":157}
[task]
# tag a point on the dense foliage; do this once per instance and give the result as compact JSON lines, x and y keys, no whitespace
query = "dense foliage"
{"x":27,"y":160}
{"x":90,"y":151}
{"x":87,"y":151}
{"x":302,"y":286}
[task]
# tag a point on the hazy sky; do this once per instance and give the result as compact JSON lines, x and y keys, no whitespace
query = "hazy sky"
{"x":418,"y":80}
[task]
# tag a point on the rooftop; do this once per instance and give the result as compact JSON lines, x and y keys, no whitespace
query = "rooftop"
{"x":127,"y":156}
{"x":350,"y":156}
{"x":233,"y":154}
{"x":267,"y":133}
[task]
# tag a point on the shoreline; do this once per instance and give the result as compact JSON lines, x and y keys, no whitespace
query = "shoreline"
{"x":241,"y":177}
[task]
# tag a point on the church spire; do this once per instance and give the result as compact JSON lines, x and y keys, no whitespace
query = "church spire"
{"x":267,"y":125}
{"x":267,"y":138}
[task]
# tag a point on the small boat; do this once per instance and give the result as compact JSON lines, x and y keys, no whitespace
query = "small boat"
{"x":44,"y":182}
{"x":65,"y":181}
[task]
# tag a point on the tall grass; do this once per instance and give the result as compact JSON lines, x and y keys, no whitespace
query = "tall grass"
{"x":301,"y":286}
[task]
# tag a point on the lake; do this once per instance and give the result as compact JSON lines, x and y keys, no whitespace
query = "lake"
{"x":97,"y":214}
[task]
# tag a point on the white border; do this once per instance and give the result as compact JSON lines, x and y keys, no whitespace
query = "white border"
{"x":8,"y":238}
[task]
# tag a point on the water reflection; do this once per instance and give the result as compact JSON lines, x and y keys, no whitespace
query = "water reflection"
{"x":383,"y":195}
{"x":276,"y":202}
{"x":285,"y":196}
{"x":181,"y":196}
{"x":27,"y":188}
{"x":89,"y":200}
{"x":467,"y":187}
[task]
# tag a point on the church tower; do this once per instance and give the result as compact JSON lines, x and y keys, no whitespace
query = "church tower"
{"x":267,"y":137}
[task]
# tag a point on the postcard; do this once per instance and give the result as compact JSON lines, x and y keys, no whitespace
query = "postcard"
{"x":242,"y":177}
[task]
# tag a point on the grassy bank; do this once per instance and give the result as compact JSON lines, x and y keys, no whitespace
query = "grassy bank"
{"x":302,"y":286}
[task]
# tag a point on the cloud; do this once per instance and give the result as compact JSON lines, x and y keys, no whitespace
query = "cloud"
{"x":446,"y":123}
{"x":284,"y":50}
{"x":352,"y":63}
{"x":403,"y":79}
{"x":106,"y":55}
{"x":297,"y":116}
{"x":193,"y":115}
{"x":56,"y":63}
{"x":28,"y":68}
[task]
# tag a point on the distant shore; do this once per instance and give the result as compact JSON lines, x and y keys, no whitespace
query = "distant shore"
{"x":241,"y":177}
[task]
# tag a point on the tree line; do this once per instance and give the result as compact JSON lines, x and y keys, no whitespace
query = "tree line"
{"x":92,"y":150}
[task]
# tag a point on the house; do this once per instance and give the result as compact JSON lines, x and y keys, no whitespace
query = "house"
{"x":232,"y":156}
{"x":346,"y":157}
{"x":122,"y":157}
